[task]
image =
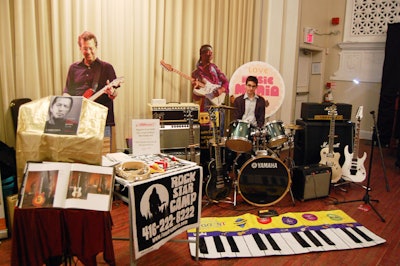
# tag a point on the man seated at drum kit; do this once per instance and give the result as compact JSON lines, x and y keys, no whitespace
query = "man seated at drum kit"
{"x":249,"y":127}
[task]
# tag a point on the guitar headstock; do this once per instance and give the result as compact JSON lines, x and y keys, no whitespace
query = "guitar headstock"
{"x":166,"y":66}
{"x":359,"y":114}
{"x":116,"y":82}
{"x":331,"y":110}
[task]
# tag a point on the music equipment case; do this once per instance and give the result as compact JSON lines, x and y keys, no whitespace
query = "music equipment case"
{"x":311,"y":182}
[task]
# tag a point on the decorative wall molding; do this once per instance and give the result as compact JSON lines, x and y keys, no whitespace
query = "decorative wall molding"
{"x":361,"y":60}
{"x":363,"y":49}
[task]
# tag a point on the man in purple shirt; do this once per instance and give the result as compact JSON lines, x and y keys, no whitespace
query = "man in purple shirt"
{"x":92,"y":74}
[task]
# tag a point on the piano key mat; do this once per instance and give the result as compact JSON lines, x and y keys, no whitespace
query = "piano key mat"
{"x":291,"y":233}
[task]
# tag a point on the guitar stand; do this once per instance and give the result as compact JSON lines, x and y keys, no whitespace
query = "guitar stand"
{"x":367,"y":199}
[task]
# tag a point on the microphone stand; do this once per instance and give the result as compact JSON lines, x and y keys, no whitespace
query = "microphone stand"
{"x":367,"y":199}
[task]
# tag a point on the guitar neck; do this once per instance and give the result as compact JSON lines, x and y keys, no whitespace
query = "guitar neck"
{"x":217,"y":148}
{"x":100,"y":92}
{"x":356,"y":140}
{"x":331,"y":134}
{"x":191,"y":142}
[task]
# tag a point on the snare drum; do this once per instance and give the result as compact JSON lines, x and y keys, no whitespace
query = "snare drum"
{"x":275,"y":134}
{"x":263,"y":181}
{"x":239,"y":136}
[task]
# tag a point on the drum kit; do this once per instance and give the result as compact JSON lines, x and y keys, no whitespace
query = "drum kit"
{"x":260,"y":176}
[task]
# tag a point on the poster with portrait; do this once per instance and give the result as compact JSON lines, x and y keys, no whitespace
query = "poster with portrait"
{"x":164,"y":207}
{"x":63,"y":115}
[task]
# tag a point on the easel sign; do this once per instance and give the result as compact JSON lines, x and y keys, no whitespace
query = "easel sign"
{"x":164,"y":207}
{"x":145,"y":136}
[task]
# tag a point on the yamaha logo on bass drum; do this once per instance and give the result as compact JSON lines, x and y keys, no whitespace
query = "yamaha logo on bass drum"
{"x":256,"y":165}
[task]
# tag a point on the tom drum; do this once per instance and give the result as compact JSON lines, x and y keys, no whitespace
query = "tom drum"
{"x":275,"y":134}
{"x":239,"y":136}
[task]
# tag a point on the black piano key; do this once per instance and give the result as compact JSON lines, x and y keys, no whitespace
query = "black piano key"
{"x":355,"y":239}
{"x":301,"y":241}
{"x":203,"y":246}
{"x":325,"y":238}
{"x":218,"y":244}
{"x":232,"y":244}
{"x":261,"y":245}
{"x":361,"y":233}
{"x":313,"y":239}
{"x":272,"y":242}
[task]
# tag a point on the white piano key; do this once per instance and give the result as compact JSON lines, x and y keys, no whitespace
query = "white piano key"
{"x":253,"y":247}
{"x":286,"y":248}
{"x":243,"y":248}
{"x":376,"y":239}
{"x":271,"y":251}
{"x":339,"y":243}
{"x":313,"y":247}
{"x":293,"y":243}
{"x":212,"y":250}
{"x":325,"y":245}
{"x":345,"y":238}
{"x":192,"y":247}
{"x":228,"y":252}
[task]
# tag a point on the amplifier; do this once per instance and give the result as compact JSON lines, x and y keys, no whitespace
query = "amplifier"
{"x":314,"y":135}
{"x":311,"y":182}
{"x":174,"y":112}
{"x":316,"y":111}
{"x":176,"y":136}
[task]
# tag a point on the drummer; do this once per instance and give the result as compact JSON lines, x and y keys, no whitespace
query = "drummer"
{"x":250,"y":107}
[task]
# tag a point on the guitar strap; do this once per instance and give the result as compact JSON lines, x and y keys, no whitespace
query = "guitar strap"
{"x":95,"y":83}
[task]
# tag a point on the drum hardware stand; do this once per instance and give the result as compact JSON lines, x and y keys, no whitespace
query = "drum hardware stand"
{"x":366,"y":199}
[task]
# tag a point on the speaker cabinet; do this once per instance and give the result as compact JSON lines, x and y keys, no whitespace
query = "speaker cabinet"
{"x":309,"y":141}
{"x":311,"y":182}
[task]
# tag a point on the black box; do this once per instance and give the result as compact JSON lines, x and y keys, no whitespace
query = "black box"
{"x":311,"y":182}
{"x":309,"y":141}
{"x":316,"y":111}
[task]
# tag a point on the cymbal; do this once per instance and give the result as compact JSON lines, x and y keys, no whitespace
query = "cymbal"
{"x":222,"y":107}
{"x":294,"y":127}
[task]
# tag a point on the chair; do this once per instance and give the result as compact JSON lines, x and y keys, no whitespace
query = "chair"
{"x":14,"y":107}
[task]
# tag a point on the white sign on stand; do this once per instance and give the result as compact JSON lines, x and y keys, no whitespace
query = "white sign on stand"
{"x":145,"y":136}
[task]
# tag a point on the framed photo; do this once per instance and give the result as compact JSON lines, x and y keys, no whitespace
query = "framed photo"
{"x":316,"y":68}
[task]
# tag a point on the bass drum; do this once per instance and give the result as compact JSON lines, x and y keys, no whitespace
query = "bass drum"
{"x":263,"y":181}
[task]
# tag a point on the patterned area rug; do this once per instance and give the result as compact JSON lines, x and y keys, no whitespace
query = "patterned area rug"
{"x":291,"y":233}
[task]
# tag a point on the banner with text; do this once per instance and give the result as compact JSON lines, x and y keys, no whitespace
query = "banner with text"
{"x":165,"y":207}
{"x":270,"y":84}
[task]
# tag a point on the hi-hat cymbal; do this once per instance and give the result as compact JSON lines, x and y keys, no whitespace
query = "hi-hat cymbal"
{"x":294,"y":127}
{"x":222,"y":107}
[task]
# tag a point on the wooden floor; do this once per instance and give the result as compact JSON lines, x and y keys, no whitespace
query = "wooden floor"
{"x":386,"y":189}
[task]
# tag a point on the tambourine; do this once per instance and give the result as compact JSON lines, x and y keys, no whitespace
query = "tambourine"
{"x":133,"y":170}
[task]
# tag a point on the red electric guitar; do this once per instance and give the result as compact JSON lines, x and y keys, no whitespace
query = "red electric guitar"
{"x":93,"y":95}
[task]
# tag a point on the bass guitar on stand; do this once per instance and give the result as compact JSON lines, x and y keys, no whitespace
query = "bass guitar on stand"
{"x":206,"y":88}
{"x":353,"y":167}
{"x":328,"y":156}
{"x":218,"y":184}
